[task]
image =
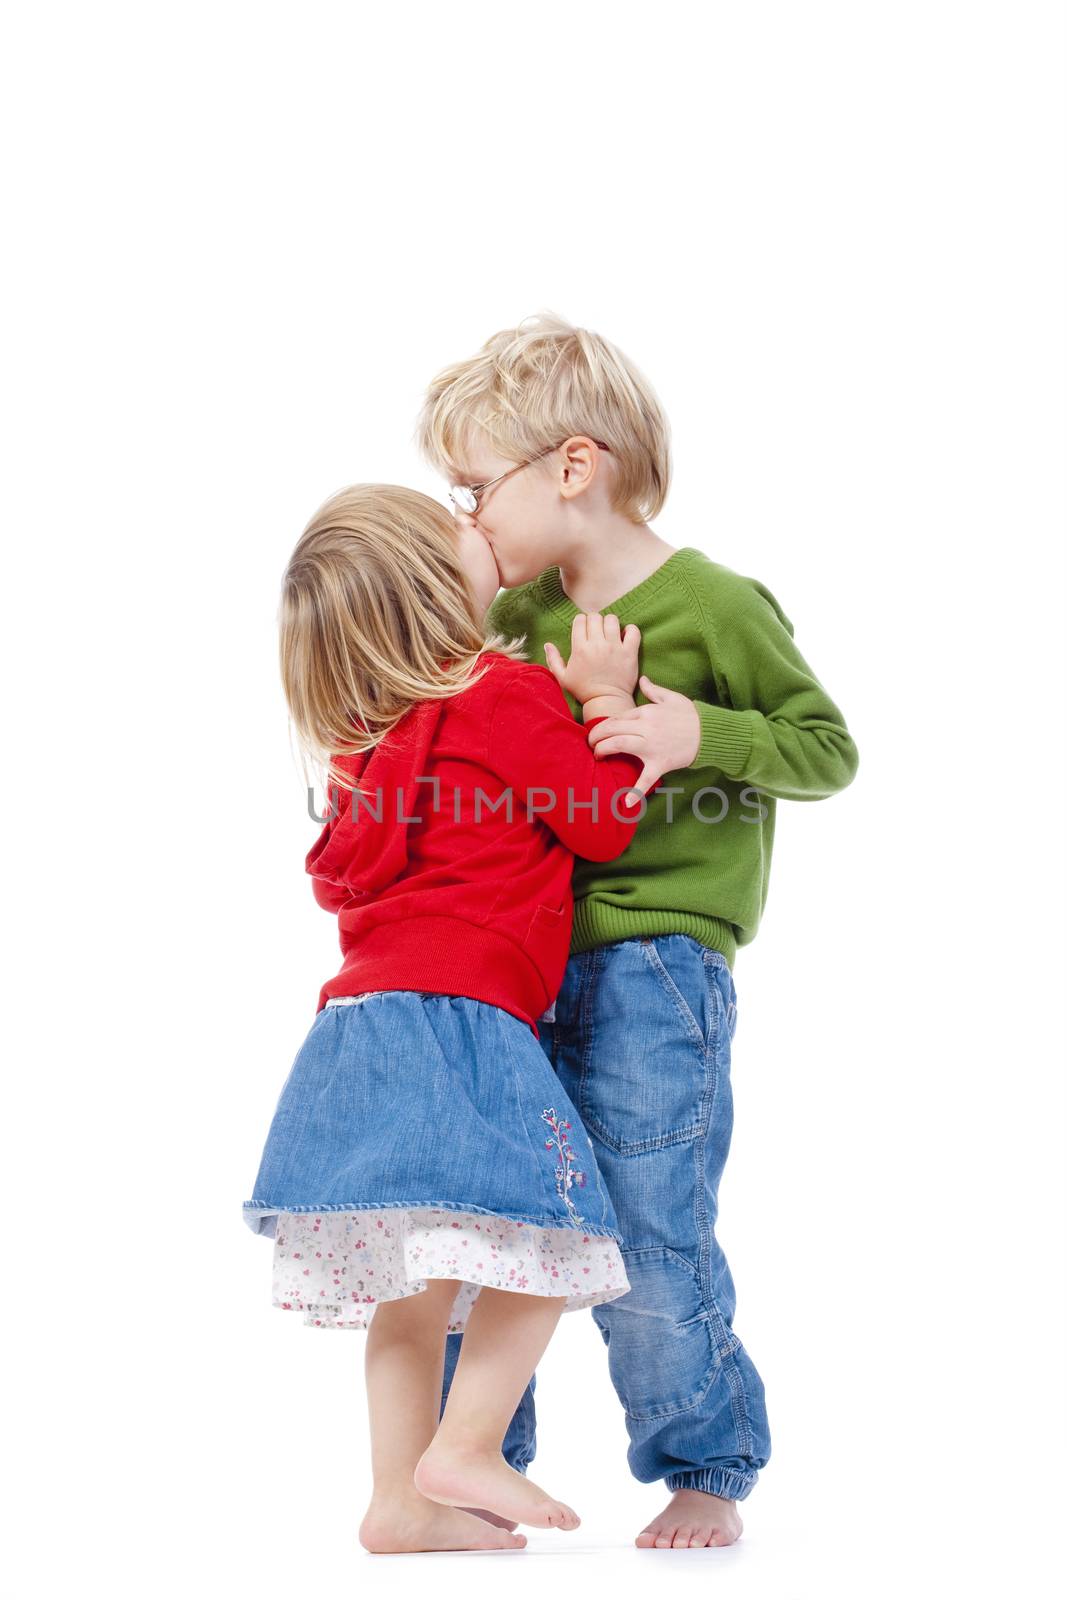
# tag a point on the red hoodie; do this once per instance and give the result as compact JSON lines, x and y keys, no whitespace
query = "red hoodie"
{"x":431,"y":893}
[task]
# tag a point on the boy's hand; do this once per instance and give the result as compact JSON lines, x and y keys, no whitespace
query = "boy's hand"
{"x":603,"y":663}
{"x":665,"y":734}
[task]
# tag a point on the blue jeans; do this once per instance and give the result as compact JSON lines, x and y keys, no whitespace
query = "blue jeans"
{"x":640,"y":1038}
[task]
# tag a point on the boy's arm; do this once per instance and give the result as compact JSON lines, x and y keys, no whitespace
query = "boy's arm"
{"x":777,"y":728}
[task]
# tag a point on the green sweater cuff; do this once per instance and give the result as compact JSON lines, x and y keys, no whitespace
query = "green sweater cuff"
{"x":725,"y":739}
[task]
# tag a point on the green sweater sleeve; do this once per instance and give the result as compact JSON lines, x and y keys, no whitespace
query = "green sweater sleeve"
{"x":776,"y":726}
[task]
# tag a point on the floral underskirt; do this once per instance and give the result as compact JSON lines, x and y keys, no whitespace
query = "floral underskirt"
{"x":337,"y":1266}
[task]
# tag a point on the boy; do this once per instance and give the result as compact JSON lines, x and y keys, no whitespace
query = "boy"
{"x":557,"y":450}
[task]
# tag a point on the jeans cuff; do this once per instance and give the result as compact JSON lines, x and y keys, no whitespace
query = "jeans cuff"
{"x":727,"y":1482}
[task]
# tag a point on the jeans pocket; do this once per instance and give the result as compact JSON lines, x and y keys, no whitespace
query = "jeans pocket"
{"x":679,"y":978}
{"x":723,"y":997}
{"x":640,"y":1044}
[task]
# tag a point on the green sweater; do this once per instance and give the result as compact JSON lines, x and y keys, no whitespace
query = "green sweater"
{"x":768,"y":731}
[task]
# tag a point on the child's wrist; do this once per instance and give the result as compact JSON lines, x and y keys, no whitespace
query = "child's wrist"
{"x":607,"y":705}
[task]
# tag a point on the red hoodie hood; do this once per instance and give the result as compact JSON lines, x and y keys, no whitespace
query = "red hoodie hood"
{"x":364,"y":856}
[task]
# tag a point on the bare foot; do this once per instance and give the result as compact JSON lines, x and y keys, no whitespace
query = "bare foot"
{"x":460,"y":1478}
{"x":404,"y":1525}
{"x":692,"y":1521}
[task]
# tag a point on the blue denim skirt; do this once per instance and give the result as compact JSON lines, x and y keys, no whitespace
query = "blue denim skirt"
{"x":406,"y":1099}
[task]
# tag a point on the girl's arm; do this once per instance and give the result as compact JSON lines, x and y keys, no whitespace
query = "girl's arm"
{"x":537,"y":748}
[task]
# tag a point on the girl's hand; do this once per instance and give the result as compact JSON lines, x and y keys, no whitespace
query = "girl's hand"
{"x":603,"y":661}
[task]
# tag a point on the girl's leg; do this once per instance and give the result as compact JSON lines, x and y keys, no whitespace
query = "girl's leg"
{"x":404,"y":1366}
{"x":505,"y":1338}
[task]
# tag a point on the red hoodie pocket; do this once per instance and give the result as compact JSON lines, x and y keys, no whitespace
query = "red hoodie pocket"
{"x":547,"y":943}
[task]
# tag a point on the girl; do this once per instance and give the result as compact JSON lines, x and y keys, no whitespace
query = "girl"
{"x":424,"y":1171}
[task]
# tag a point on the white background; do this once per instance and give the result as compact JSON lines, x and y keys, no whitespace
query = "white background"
{"x":241,"y":239}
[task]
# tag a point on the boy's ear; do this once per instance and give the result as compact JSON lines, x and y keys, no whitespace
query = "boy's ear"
{"x":579,"y":459}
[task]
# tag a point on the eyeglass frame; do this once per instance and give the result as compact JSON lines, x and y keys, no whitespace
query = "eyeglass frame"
{"x":478,"y":489}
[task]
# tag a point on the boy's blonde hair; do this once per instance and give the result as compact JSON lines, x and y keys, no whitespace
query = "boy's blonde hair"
{"x":533,"y":386}
{"x":376,"y":614}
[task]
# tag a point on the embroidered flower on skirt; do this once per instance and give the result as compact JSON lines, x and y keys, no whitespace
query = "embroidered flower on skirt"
{"x":336,"y":1267}
{"x":567,"y":1174}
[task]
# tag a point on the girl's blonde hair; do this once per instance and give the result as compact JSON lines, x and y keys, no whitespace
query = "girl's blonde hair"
{"x":376,"y":614}
{"x":533,"y":386}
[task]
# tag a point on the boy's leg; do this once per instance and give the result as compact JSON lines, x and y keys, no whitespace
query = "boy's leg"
{"x":642,"y":1045}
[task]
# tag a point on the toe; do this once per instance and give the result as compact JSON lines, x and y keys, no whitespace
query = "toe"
{"x":683,"y":1538}
{"x":499,"y":1539}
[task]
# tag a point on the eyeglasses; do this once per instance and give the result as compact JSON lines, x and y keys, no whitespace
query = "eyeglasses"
{"x":467,"y":496}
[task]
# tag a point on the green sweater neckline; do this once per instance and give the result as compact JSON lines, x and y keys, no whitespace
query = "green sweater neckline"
{"x":553,"y":596}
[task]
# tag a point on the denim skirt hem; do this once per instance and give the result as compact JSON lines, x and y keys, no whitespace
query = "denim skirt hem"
{"x":261,"y":1217}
